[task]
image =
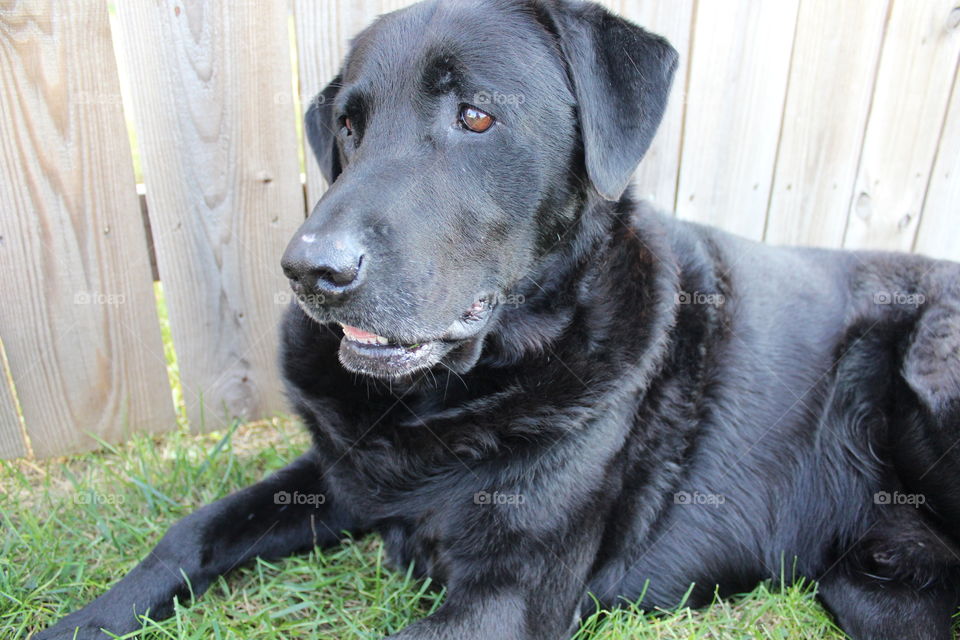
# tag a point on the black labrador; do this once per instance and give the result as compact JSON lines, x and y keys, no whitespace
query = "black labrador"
{"x":539,"y":391}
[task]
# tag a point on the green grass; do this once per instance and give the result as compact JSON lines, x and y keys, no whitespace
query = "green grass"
{"x":72,"y":526}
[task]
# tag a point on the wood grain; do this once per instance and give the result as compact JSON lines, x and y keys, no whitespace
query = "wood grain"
{"x":393,"y":5}
{"x":79,"y":321}
{"x":917,"y":64}
{"x":939,"y":232}
{"x":12,"y":444}
{"x":835,"y":57}
{"x":211,"y":100}
{"x":656,"y":177}
{"x":740,"y":59}
{"x":324,"y":31}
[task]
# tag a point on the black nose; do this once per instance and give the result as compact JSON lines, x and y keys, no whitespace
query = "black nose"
{"x":329,"y":265}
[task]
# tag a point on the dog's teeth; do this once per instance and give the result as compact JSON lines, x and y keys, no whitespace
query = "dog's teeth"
{"x":363,"y":337}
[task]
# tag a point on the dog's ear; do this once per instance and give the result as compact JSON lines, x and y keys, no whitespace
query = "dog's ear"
{"x":621,"y":76}
{"x":319,"y":125}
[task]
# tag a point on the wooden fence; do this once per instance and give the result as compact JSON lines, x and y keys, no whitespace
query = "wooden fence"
{"x":824,"y":122}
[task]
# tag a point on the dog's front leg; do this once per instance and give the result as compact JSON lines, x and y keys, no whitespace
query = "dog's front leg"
{"x":287,"y":512}
{"x":545,"y":611}
{"x":517,"y":585}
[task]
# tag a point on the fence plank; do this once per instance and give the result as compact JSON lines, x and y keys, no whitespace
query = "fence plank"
{"x":324,"y":30}
{"x":939,"y":233}
{"x":913,"y":86}
{"x":11,"y":437}
{"x":734,"y":110}
{"x":211,"y":101}
{"x":79,"y":320}
{"x":828,"y":98}
{"x":393,"y":5}
{"x":656,"y":178}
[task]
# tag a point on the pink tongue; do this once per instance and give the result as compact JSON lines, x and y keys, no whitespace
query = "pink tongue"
{"x":358,"y":334}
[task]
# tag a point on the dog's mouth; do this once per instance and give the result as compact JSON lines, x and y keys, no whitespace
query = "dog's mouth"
{"x":364,"y":352}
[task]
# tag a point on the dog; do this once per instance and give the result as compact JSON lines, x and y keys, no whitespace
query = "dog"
{"x":545,"y":395}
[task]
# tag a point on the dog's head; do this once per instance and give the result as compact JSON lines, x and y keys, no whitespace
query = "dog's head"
{"x":461,"y":139}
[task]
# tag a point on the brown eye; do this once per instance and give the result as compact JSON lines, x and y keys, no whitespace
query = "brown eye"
{"x":348,"y":124}
{"x":474,"y":119}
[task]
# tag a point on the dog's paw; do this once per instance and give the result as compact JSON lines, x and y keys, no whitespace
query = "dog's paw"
{"x":72,"y":628}
{"x":70,"y":632}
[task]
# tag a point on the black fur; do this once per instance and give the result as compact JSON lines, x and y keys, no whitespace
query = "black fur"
{"x":632,"y":405}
